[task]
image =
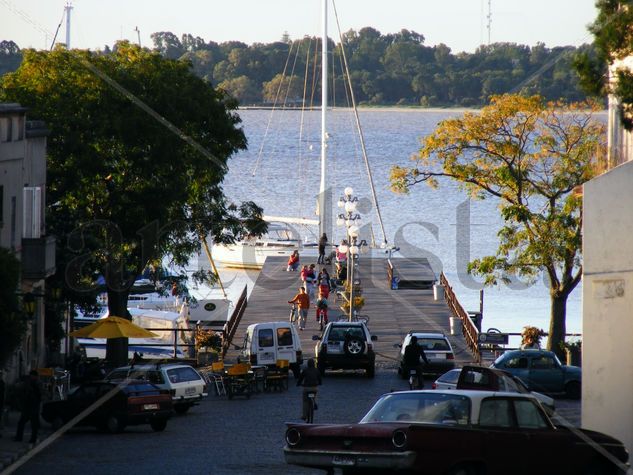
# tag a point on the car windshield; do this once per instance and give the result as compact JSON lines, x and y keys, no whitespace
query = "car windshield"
{"x":180,"y":375}
{"x":451,"y":377}
{"x":422,"y":407}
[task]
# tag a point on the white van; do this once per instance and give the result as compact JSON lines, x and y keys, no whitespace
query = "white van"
{"x":265,"y":343}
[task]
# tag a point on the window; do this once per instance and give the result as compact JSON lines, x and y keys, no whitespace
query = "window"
{"x":517,"y":363}
{"x":543,"y":362}
{"x":495,"y":413}
{"x":265,"y":337}
{"x":155,"y":377}
{"x":180,"y":375}
{"x":284,"y":337}
{"x":528,"y":415}
{"x":433,"y":344}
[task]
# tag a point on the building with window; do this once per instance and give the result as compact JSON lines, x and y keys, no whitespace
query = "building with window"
{"x":22,"y":200}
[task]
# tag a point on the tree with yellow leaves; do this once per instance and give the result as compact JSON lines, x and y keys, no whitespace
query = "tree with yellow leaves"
{"x":532,"y":156}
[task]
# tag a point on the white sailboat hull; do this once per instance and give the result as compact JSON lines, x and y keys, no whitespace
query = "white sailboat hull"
{"x":245,"y":256}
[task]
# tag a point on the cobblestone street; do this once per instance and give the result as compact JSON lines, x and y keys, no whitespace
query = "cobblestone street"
{"x":222,"y":436}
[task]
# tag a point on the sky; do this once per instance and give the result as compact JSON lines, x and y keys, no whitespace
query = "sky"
{"x":460,"y":24}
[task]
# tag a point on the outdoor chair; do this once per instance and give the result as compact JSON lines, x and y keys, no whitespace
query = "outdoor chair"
{"x":216,"y":376}
{"x":277,"y":378}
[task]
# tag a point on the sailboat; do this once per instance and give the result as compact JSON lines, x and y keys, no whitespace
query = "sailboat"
{"x":283,"y":236}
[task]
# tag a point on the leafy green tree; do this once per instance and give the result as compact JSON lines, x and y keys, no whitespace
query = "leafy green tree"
{"x":124,"y":188}
{"x":168,"y":44}
{"x":530,"y":156}
{"x":613,"y":41}
{"x":12,"y":321}
{"x":243,"y":89}
{"x":10,"y":57}
{"x":283,"y":89}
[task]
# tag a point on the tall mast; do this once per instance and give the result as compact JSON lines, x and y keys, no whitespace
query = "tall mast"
{"x":68,"y":8}
{"x":323,"y":210}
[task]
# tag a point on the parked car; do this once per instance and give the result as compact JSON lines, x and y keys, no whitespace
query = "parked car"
{"x":132,"y":403}
{"x":542,"y":371}
{"x":489,"y":379}
{"x":438,"y":351}
{"x":455,"y":432}
{"x":265,"y":343}
{"x":186,"y":386}
{"x":345,"y":345}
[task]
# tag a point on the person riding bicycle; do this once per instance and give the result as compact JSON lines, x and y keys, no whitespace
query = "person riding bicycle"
{"x":321,"y":311}
{"x":412,"y":355}
{"x":309,"y":378}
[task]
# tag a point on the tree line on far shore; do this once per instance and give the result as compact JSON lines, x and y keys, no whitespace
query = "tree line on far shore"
{"x":385,"y":69}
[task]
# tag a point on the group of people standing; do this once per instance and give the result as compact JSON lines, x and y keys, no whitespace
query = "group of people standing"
{"x":316,"y":288}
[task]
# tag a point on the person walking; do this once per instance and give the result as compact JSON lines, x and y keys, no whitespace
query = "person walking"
{"x":322,"y":245}
{"x":30,"y":400}
{"x":303,"y":301}
{"x":309,"y":378}
{"x":413,"y":353}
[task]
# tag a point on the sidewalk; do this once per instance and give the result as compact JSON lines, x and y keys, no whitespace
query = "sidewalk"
{"x":11,"y":451}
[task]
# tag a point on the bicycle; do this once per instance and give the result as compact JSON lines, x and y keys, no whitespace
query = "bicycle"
{"x":322,"y":318}
{"x":416,"y":380}
{"x":294,"y":313}
{"x":312,"y":405}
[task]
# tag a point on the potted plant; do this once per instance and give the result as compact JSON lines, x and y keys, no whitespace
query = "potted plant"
{"x":208,"y":345}
{"x":359,"y":301}
{"x":573,"y":351}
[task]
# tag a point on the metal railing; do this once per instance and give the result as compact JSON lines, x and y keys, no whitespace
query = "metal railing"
{"x":234,"y":321}
{"x":471,"y":334}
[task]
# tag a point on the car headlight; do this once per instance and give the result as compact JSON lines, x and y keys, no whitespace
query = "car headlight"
{"x":399,"y":438}
{"x":293,"y":437}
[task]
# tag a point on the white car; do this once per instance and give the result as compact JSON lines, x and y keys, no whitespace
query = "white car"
{"x":186,"y":386}
{"x":502,"y":381}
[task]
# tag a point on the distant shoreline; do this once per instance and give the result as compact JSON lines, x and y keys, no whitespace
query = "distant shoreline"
{"x":379,"y":109}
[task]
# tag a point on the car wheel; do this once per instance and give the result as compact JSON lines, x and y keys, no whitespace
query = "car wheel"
{"x":371,"y":371}
{"x":573,"y":390}
{"x":354,"y":347}
{"x":158,"y":425}
{"x":462,"y":470}
{"x":321,"y":368}
{"x":296,"y":370}
{"x":181,"y":408}
{"x":57,"y":423}
{"x":114,"y":424}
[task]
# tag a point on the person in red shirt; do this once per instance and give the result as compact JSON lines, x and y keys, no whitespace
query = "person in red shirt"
{"x":293,"y":261}
{"x":303,"y":301}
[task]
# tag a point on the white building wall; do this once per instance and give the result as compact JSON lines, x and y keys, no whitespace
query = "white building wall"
{"x":607,"y":300}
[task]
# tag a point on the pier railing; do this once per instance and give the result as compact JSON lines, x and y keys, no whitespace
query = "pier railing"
{"x":234,"y":321}
{"x":471,"y":334}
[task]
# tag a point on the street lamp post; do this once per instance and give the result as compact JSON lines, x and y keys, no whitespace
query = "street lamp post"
{"x":351,"y":220}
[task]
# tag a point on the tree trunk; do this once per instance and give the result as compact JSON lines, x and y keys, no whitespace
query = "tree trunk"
{"x":557,"y":328}
{"x":116,"y":348}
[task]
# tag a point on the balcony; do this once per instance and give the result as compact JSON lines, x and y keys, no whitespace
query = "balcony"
{"x":38,"y":257}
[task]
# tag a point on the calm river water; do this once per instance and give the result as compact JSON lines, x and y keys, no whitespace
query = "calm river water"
{"x":281,"y":170}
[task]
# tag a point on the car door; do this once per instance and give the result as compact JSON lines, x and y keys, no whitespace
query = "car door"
{"x":264,"y":341}
{"x":285,"y":344}
{"x":505,"y":446}
{"x":518,"y":366}
{"x":546,"y":375}
{"x":335,"y":340}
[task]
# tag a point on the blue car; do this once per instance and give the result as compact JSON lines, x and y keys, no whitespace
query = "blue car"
{"x":542,"y":371}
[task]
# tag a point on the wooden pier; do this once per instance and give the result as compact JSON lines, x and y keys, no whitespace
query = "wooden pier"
{"x":392,"y":313}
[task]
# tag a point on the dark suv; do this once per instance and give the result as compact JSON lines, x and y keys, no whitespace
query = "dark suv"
{"x":345,"y":345}
{"x":119,"y":404}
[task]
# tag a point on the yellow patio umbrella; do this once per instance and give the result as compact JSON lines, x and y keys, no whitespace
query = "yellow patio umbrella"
{"x":113,"y":327}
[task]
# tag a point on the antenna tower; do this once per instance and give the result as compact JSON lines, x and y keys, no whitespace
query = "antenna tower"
{"x":67,"y":9}
{"x":489,"y":17}
{"x":138,"y":33}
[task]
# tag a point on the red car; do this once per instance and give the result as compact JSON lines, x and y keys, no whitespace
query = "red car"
{"x":455,"y":432}
{"x":118,"y":404}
